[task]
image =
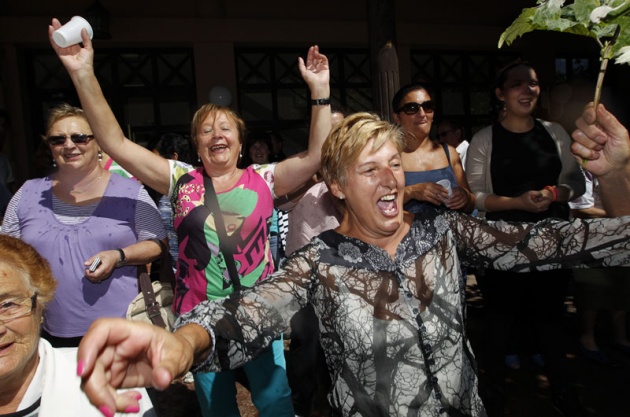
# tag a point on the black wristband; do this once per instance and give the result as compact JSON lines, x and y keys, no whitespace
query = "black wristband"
{"x":320,"y":101}
{"x":123,"y":258}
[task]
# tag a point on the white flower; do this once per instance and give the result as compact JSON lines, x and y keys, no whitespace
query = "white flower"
{"x":623,"y":57}
{"x":601,"y":12}
{"x":553,"y":5}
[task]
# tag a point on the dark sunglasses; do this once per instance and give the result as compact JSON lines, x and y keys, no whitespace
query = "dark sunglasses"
{"x":413,"y":108}
{"x":78,"y":138}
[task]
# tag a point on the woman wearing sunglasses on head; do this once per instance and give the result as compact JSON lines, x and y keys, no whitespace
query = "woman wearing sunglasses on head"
{"x":94,"y":228}
{"x":426,"y":161}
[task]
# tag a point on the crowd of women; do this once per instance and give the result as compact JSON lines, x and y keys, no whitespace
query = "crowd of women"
{"x":385,"y":286}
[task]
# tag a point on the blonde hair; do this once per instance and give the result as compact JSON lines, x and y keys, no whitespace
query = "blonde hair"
{"x":60,"y":112}
{"x":29,"y":266}
{"x":215,"y":109}
{"x":347,"y":140}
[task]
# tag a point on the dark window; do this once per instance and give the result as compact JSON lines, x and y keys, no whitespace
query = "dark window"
{"x":272,"y":94}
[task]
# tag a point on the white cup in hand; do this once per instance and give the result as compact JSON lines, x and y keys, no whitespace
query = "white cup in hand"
{"x":70,"y":33}
{"x":446,"y":184}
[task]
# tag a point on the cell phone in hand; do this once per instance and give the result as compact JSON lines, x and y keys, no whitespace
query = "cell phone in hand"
{"x":95,"y":265}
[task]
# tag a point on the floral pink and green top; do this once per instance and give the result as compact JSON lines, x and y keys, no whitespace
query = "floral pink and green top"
{"x":247,"y":208}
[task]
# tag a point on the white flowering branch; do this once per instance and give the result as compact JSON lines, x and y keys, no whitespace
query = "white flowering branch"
{"x":606,"y":21}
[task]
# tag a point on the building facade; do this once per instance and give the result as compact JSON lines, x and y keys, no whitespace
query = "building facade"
{"x":163,"y":59}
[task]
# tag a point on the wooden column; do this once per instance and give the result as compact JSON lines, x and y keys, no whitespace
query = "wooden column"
{"x":383,"y":57}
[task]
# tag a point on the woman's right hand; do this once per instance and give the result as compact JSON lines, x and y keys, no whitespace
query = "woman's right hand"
{"x":533,"y":201}
{"x":74,"y":57}
{"x":118,"y":353}
{"x":426,"y":191}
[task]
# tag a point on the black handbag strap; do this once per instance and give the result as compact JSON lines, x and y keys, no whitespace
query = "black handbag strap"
{"x":225,"y":244}
{"x":151,"y":304}
{"x":166,"y":266}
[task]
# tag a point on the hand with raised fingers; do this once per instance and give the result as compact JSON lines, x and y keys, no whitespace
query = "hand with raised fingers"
{"x":118,"y":353}
{"x":316,"y":72}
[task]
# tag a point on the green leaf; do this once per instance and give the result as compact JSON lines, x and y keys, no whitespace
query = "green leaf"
{"x":583,"y":9}
{"x":624,"y":35}
{"x":519,"y":27}
{"x":604,"y":30}
{"x":623,"y":10}
{"x":561,"y":25}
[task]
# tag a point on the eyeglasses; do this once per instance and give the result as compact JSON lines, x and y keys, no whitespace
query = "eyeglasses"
{"x":15,"y":308}
{"x":413,"y":108}
{"x":440,"y":135}
{"x":77,"y":138}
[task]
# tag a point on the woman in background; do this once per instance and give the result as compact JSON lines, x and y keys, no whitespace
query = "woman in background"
{"x":521,"y":169}
{"x":425,"y":160}
{"x":79,"y":216}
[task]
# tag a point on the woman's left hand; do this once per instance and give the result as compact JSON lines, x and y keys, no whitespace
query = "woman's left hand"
{"x":315,"y":72}
{"x":458,"y":199}
{"x":109,"y":259}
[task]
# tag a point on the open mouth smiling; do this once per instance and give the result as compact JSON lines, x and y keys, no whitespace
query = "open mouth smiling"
{"x":388,"y":205}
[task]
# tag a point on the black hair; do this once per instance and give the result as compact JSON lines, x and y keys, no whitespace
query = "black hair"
{"x":502,"y":76}
{"x":254,"y":137}
{"x":174,"y":143}
{"x":403,"y":91}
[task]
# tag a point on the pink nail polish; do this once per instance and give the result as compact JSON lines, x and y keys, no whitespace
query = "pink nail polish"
{"x":80,"y":367}
{"x":132,"y":409}
{"x":106,"y":411}
{"x":138,"y":397}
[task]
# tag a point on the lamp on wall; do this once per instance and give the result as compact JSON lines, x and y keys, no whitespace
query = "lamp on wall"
{"x":98,"y":16}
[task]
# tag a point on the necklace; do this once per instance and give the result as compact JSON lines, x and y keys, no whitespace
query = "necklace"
{"x":86,"y":187}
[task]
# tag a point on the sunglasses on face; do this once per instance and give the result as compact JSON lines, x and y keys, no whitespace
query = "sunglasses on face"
{"x":413,"y":108}
{"x":77,"y":138}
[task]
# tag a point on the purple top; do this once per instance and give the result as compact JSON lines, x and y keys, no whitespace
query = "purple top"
{"x":77,"y":301}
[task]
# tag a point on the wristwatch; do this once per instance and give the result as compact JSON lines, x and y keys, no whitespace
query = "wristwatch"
{"x":123,"y":258}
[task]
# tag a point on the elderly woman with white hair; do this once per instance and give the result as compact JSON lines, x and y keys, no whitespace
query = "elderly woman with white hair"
{"x":35,"y":378}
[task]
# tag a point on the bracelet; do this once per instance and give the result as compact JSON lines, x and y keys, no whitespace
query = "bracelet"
{"x":553,"y":191}
{"x":320,"y":101}
{"x":123,"y":258}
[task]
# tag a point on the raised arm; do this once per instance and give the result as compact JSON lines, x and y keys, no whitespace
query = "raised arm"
{"x":293,"y":172}
{"x":148,"y":167}
{"x":602,"y":144}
